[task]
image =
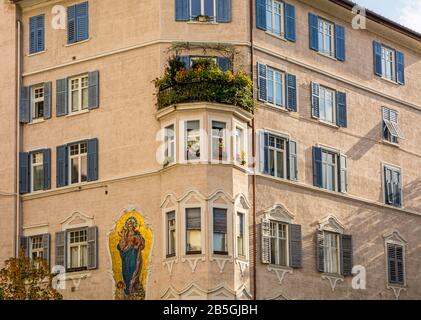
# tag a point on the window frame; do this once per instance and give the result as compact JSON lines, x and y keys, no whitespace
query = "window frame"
{"x":202,"y":11}
{"x":202,"y":243}
{"x":270,"y":28}
{"x":335,"y":169}
{"x":185,"y":140}
{"x":282,"y":77}
{"x":275,"y":152}
{"x":35,"y":100}
{"x":225,"y":148}
{"x":385,"y":51}
{"x":334,"y":115}
{"x":80,"y":80}
{"x":170,"y":144}
{"x":32,"y":167}
{"x":238,"y":157}
{"x":79,"y":246}
{"x":79,"y":157}
{"x":243,"y":254}
{"x":338,"y":251}
{"x":321,"y":36}
{"x":395,"y":238}
{"x":277,"y":238}
{"x":387,"y":135}
{"x":217,"y":252}
{"x":169,"y":228}
{"x":393,"y":168}
{"x":39,"y":251}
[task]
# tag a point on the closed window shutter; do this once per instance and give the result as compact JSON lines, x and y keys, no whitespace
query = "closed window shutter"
{"x":182,"y":10}
{"x":320,"y":263}
{"x":93,"y":89}
{"x":82,"y":21}
{"x":92,"y":248}
{"x":395,"y":256}
{"x":261,"y":71}
{"x":313,"y":24}
{"x":342,"y":175}
{"x":93,"y":160}
{"x":71,"y":24}
{"x":341,"y":110}
{"x":24,"y":178}
{"x":47,"y":169}
{"x":60,"y":249}
{"x":224,"y":64}
{"x":292,"y":160}
{"x":291,"y":89}
{"x":62,"y":166}
{"x":24,"y":246}
{"x":219,"y":220}
{"x":295,"y":246}
{"x":377,"y":55}
{"x":46,"y":248}
{"x":346,"y":255}
{"x":47,"y":100}
{"x":340,"y":52}
{"x":25,"y":105}
{"x":400,"y":272}
{"x":32,"y":35}
{"x":223,"y":10}
{"x":290,"y":29}
{"x":315,"y":100}
{"x":40,"y":36}
{"x":265,"y":230}
{"x":61,"y":97}
{"x":400,"y":67}
{"x":317,"y":167}
{"x":261,"y":14}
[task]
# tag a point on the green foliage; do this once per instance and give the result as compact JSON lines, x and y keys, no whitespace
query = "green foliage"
{"x":203,"y":82}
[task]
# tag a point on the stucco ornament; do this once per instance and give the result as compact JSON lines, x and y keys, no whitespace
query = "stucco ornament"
{"x":130,"y":246}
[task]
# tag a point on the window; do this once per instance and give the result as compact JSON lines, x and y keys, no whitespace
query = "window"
{"x":78,"y":22}
{"x":329,"y":105}
{"x":240,"y":152}
{"x":220,"y":244}
{"x":331,"y":252}
{"x":396,"y":267}
{"x":78,"y":249}
{"x":326,"y":37}
{"x":169,"y":140}
{"x":78,"y":170}
{"x":196,"y":59}
{"x":219,"y":141}
{"x":388,"y":63}
{"x":330,"y":170}
{"x":327,"y":102}
{"x":277,"y":156}
{"x":275,"y":87}
{"x":193,"y":140}
{"x":393,"y":186}
{"x":241,"y":251}
{"x":38,"y":102}
{"x":36,"y":34}
{"x":275,"y":17}
{"x":193,"y":231}
{"x":391,"y":130}
{"x":37,"y":171}
{"x":79,"y":93}
{"x":171,"y":234}
{"x":278,"y":243}
{"x":36,"y":249}
{"x":205,"y":8}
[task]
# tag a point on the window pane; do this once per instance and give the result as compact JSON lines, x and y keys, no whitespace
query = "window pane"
{"x":194,"y":242}
{"x":218,"y":140}
{"x":84,"y":168}
{"x":193,"y":140}
{"x":239,"y":145}
{"x":74,"y":254}
{"x":280,"y":165}
{"x":84,"y":256}
{"x":169,"y":143}
{"x":219,"y":243}
{"x":38,"y":172}
{"x":75,"y":100}
{"x":75,"y":170}
{"x":85,"y":98}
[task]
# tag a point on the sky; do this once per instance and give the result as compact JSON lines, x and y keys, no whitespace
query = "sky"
{"x":405,"y":12}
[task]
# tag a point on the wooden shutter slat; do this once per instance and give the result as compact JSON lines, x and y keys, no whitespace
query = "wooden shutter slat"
{"x":295,"y":244}
{"x":265,"y":240}
{"x":92,"y":248}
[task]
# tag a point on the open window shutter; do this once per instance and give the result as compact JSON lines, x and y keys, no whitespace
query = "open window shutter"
{"x":261,"y":71}
{"x":292,"y":160}
{"x":340,"y":52}
{"x":25,"y":105}
{"x":396,"y":180}
{"x":182,"y":9}
{"x":224,"y":64}
{"x":400,"y":272}
{"x":265,"y":230}
{"x":315,"y":100}
{"x":290,"y":32}
{"x":93,"y":89}
{"x":261,"y":14}
{"x":92,"y":248}
{"x":61,"y":97}
{"x":60,"y":249}
{"x":342,"y":174}
{"x":291,"y":86}
{"x":24,"y":246}
{"x":32,"y":34}
{"x":47,"y":100}
{"x":377,"y":54}
{"x":47,"y":169}
{"x":40,"y":37}
{"x":388,"y":185}
{"x":346,"y":255}
{"x":46,"y":248}
{"x":93,"y":160}
{"x":24,"y":179}
{"x":71,"y":24}
{"x":317,"y":167}
{"x":313,"y":24}
{"x":82,"y":21}
{"x":185,"y":60}
{"x":341,"y":110}
{"x":295,"y":246}
{"x":320,"y":263}
{"x":62,"y":166}
{"x":223,"y":10}
{"x":400,"y":67}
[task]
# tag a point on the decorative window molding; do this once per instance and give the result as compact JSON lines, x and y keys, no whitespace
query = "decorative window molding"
{"x":395,"y":238}
{"x":193,"y":261}
{"x":279,"y":213}
{"x":331,"y":224}
{"x":77,"y":220}
{"x":333,"y":280}
{"x":221,"y":262}
{"x":280,"y":272}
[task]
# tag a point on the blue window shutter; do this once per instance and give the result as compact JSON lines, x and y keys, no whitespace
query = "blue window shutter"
{"x":341,"y":109}
{"x":320,"y":263}
{"x":40,"y":36}
{"x":261,"y":71}
{"x":92,"y":248}
{"x":93,"y":89}
{"x":61,"y":97}
{"x":315,"y":102}
{"x":60,"y":249}
{"x":346,"y":255}
{"x":377,"y":54}
{"x":32,"y":34}
{"x":292,"y":160}
{"x":47,"y":100}
{"x":223,"y":10}
{"x":182,"y":10}
{"x":317,"y":167}
{"x":185,"y":60}
{"x":313,"y":24}
{"x":46,"y":241}
{"x":93,"y":160}
{"x":62,"y":166}
{"x":295,"y":246}
{"x":340,"y":43}
{"x":82,"y":21}
{"x":224,"y":63}
{"x":71,"y":24}
{"x":261,"y":14}
{"x":25,"y":105}
{"x":291,"y":92}
{"x":47,"y":169}
{"x":290,"y":28}
{"x":24,"y":172}
{"x":24,"y":246}
{"x":400,"y":67}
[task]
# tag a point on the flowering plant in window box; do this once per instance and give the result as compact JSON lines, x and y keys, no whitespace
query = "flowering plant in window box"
{"x":203,"y":18}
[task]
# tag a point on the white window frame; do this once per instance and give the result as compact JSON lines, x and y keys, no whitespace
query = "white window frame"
{"x":335,"y":168}
{"x":202,"y":10}
{"x":170,"y":145}
{"x":239,"y":157}
{"x":326,"y":29}
{"x":277,"y":238}
{"x":383,"y":178}
{"x":202,"y":231}
{"x":35,"y":100}
{"x":79,"y":90}
{"x":79,"y":156}
{"x":79,"y":245}
{"x":275,"y":152}
{"x":388,"y":59}
{"x":37,"y":164}
{"x":237,"y":233}
{"x":39,"y":251}
{"x":168,"y":230}
{"x":225,"y":149}
{"x":323,"y":92}
{"x":328,"y":247}
{"x":271,"y":5}
{"x":227,"y":234}
{"x":282,"y":79}
{"x":184,"y":136}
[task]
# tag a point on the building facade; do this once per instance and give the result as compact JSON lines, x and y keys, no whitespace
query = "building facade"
{"x":315,"y":194}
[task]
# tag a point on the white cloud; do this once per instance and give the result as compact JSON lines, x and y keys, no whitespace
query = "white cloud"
{"x":410,"y":14}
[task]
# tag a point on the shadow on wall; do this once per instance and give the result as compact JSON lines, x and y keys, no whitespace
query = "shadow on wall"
{"x":359,"y":149}
{"x":412,"y":192}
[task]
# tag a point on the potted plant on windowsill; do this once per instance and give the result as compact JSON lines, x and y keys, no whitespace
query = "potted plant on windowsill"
{"x":243,"y":158}
{"x":203,"y":18}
